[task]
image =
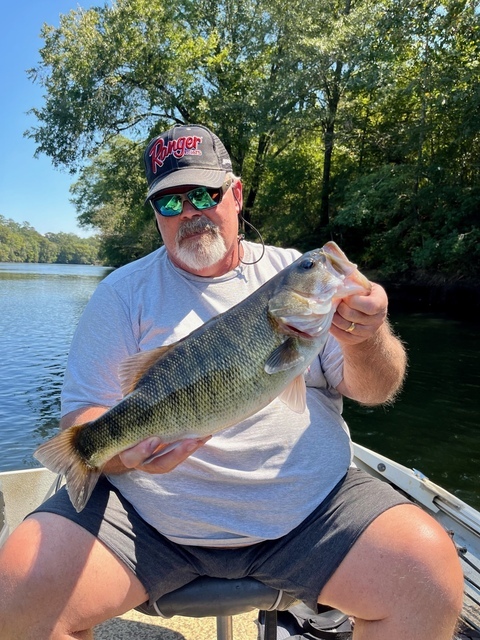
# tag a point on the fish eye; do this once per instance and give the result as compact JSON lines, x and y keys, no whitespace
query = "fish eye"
{"x":308,"y":263}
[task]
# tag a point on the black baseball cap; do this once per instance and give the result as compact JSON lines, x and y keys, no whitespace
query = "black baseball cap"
{"x":183,"y":155}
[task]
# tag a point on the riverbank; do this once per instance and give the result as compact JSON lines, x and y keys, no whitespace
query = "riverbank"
{"x":459,"y":299}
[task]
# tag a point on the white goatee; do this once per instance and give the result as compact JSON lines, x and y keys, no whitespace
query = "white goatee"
{"x":199,"y":244}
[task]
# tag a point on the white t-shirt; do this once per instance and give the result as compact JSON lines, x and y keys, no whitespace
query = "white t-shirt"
{"x":257,"y":480}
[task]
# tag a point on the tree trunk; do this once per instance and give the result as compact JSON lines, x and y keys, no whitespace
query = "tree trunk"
{"x":258,"y":168}
{"x":333,"y":93}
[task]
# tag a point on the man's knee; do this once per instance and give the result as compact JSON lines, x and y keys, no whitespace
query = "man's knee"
{"x":404,"y":561}
{"x":438,"y":558}
{"x":426,"y":567}
{"x":58,"y":579}
{"x":36,"y":582}
{"x":21,"y":589}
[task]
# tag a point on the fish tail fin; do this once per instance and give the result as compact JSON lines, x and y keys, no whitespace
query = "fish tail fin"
{"x":61,"y":456}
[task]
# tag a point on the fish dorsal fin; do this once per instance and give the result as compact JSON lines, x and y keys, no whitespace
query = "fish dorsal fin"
{"x":284,"y":357}
{"x":136,"y":366}
{"x":295,"y":395}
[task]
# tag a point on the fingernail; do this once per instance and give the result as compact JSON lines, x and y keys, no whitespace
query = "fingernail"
{"x":153,"y":444}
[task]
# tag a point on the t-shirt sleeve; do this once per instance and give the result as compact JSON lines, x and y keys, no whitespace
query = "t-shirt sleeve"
{"x":332,"y":362}
{"x":103,"y":339}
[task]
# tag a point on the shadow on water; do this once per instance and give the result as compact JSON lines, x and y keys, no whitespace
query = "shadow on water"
{"x":45,"y":399}
{"x":434,"y":424}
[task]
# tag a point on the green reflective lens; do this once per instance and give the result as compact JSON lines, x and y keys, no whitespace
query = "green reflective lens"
{"x":200,"y":198}
{"x":203,"y":198}
{"x":169,"y":205}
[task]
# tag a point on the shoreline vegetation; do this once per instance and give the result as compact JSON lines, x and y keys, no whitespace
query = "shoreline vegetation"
{"x":459,"y":296}
{"x":22,"y":243}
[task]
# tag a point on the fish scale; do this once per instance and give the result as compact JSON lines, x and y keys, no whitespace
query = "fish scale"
{"x":222,"y":373}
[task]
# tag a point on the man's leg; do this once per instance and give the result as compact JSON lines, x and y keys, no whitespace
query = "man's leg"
{"x":57,"y":581}
{"x":401,"y":580}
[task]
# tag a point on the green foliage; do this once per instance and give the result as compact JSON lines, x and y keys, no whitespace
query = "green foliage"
{"x":357,"y":120}
{"x":290,"y":199}
{"x":410,"y":201}
{"x":391,"y":226}
{"x":109,"y":197}
{"x":21,"y":243}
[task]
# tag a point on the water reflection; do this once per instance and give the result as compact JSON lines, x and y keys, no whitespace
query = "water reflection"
{"x":45,"y":399}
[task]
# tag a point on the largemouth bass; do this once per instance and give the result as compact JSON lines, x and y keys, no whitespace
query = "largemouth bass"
{"x":220,"y":374}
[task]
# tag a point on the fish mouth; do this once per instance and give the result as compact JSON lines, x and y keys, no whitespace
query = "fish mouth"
{"x":337,"y":263}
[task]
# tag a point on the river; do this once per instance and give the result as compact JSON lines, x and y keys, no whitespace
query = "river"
{"x":433,"y":426}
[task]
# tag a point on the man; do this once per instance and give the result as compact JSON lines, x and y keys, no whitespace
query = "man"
{"x":273,"y":497}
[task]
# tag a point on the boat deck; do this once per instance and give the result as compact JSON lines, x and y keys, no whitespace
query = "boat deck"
{"x":142,"y":627}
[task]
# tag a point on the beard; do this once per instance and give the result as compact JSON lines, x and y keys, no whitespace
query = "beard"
{"x":199,"y":252}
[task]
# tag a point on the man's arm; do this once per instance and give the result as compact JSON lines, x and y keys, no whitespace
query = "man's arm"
{"x":375,"y":360}
{"x":133,"y":458}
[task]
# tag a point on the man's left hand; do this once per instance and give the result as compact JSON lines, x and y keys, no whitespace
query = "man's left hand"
{"x":358,"y":317}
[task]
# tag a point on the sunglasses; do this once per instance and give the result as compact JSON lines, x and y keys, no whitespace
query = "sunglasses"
{"x":200,"y":198}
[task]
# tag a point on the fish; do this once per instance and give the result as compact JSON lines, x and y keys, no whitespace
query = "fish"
{"x":223,"y":372}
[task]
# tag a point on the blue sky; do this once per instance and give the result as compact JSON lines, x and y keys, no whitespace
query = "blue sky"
{"x":31,"y":189}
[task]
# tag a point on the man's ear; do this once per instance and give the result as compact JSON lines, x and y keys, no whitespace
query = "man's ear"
{"x":237,"y":190}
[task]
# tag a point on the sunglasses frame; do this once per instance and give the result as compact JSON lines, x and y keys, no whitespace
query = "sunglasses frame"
{"x":185,"y":197}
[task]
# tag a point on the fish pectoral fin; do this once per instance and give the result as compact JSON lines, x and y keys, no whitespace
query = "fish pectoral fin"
{"x":284,"y":357}
{"x":295,"y":395}
{"x":61,"y":456}
{"x":136,"y":366}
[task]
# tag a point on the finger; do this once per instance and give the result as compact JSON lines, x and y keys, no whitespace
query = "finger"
{"x":347,"y":319}
{"x":165,"y":462}
{"x":354,"y":327}
{"x":345,"y":315}
{"x":135,"y":455}
{"x":373,"y":304}
{"x":355,"y":336}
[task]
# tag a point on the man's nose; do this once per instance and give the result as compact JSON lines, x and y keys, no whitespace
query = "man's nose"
{"x":188,"y":210}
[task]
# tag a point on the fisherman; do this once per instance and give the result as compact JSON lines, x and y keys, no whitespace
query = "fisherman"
{"x":274,"y":497}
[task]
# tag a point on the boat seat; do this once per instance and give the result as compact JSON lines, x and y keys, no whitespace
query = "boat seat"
{"x":222,"y":598}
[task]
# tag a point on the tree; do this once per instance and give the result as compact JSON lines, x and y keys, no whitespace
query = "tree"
{"x":316,"y":102}
{"x":109,"y":197}
{"x":413,"y":198}
{"x":22,"y":243}
{"x":74,"y":250}
{"x":139,"y":66}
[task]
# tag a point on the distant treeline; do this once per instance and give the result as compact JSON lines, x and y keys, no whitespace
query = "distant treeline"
{"x":22,"y":243}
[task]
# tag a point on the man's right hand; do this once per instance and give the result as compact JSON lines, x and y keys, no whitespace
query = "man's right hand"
{"x":136,"y":457}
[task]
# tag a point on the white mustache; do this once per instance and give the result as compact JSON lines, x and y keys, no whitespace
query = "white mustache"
{"x":197,"y":225}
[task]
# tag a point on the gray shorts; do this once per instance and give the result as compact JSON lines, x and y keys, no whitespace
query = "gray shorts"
{"x":300,"y":562}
